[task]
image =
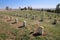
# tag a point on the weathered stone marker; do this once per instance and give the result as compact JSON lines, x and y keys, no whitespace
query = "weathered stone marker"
{"x":50,"y":17}
{"x":24,"y":23}
{"x":40,"y":30}
{"x":16,"y":20}
{"x":42,"y":18}
{"x":55,"y":21}
{"x":26,"y":16}
{"x":33,"y":17}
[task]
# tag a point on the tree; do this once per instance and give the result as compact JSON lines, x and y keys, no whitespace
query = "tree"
{"x":57,"y":8}
{"x":25,"y":8}
{"x":19,"y":8}
{"x":7,"y":8}
{"x":10,"y":8}
{"x":29,"y":8}
{"x":42,"y":9}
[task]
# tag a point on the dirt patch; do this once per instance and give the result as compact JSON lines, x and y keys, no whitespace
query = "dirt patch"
{"x":17,"y":24}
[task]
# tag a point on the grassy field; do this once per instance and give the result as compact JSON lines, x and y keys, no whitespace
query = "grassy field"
{"x":9,"y":31}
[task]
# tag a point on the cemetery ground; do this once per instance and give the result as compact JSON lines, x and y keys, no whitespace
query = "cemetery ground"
{"x":9,"y":31}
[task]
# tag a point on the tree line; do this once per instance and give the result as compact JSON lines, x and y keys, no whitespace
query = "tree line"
{"x":56,"y":10}
{"x":25,"y":8}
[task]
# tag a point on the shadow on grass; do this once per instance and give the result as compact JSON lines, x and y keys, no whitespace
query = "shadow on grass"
{"x":14,"y":23}
{"x":20,"y":26}
{"x":37,"y":34}
{"x":31,"y":32}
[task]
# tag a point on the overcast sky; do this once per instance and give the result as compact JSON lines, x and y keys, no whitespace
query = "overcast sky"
{"x":33,"y":3}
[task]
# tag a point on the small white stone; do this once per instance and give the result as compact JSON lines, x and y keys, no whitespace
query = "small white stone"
{"x":40,"y":30}
{"x":24,"y":23}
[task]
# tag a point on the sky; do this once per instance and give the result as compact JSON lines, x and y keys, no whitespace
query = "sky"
{"x":32,"y":3}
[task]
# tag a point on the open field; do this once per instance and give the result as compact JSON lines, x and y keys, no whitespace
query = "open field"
{"x":9,"y":31}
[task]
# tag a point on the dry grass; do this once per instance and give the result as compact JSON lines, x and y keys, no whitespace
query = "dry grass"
{"x":10,"y":31}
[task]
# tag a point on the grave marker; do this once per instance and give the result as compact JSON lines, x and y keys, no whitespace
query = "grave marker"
{"x":33,"y":17}
{"x":42,"y":18}
{"x":55,"y":21}
{"x":40,"y":30}
{"x":26,"y":16}
{"x":24,"y":23}
{"x":16,"y":20}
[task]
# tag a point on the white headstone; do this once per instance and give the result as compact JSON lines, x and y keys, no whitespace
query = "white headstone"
{"x":24,"y":23}
{"x":40,"y":30}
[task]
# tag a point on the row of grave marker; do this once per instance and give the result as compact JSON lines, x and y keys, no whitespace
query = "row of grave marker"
{"x":40,"y":29}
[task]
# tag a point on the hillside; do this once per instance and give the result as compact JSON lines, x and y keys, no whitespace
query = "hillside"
{"x":9,"y":31}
